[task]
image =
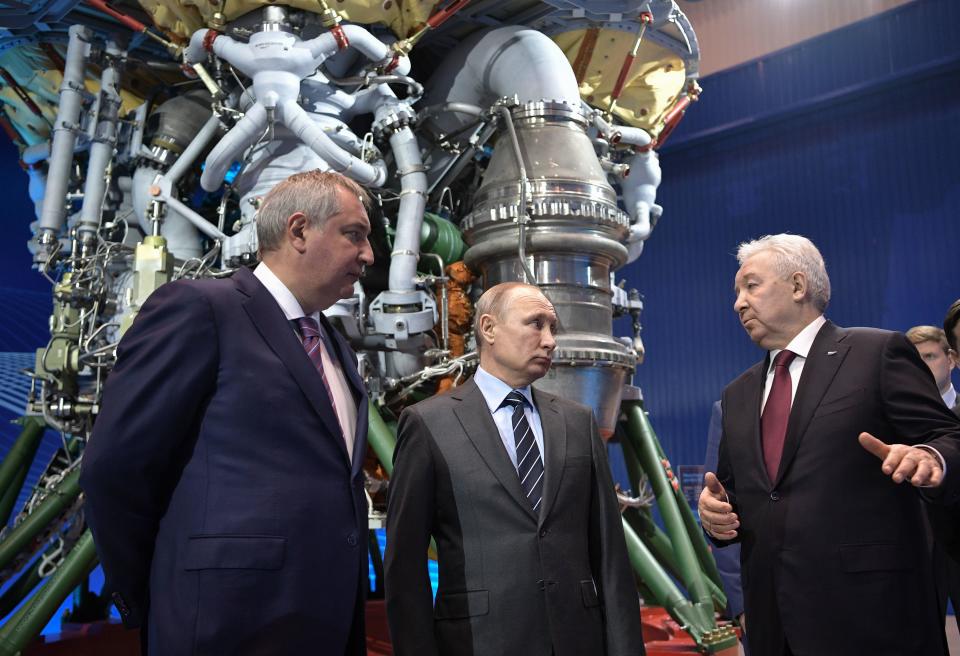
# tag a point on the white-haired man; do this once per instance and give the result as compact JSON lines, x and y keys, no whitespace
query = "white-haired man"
{"x":834,"y":552}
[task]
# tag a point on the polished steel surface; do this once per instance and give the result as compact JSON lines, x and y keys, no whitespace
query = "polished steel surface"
{"x":573,"y":238}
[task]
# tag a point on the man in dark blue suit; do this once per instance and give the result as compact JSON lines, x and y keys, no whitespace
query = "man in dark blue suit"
{"x":224,"y":478}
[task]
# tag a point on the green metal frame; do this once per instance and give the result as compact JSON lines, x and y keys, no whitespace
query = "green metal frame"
{"x":24,"y":625}
{"x":16,"y":464}
{"x":57,"y":500}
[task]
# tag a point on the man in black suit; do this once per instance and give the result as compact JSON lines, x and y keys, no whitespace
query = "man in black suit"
{"x":514,"y":486}
{"x":224,"y":479}
{"x":834,"y":552}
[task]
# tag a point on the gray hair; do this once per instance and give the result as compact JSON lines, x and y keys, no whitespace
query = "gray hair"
{"x":494,"y":301}
{"x":310,"y":192}
{"x":793,"y":253}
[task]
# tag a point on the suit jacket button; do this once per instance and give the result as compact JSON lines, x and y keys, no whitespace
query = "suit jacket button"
{"x":543,"y":533}
{"x":352,"y":539}
{"x":774,"y":496}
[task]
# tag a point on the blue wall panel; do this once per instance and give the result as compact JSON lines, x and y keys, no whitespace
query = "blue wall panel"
{"x":869,"y":171}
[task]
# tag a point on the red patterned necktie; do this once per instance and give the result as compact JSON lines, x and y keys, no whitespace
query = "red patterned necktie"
{"x":310,"y":330}
{"x":776,"y":412}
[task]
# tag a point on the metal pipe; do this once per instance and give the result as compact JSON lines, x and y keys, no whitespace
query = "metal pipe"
{"x":57,"y":500}
{"x":193,"y":150}
{"x":666,"y":592}
{"x":295,"y":118}
{"x":687,"y":559}
{"x":522,"y":215}
{"x":26,"y":582}
{"x":656,"y":540}
{"x":104,"y":141}
{"x":27,"y":622}
{"x":247,"y":130}
{"x":694,"y":531}
{"x":382,"y":440}
{"x":201,"y":223}
{"x":64,"y":134}
{"x":413,"y":201}
{"x":16,"y":464}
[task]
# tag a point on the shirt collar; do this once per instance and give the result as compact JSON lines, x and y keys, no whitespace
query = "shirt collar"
{"x":803,"y":342}
{"x":281,"y":293}
{"x":950,"y":396}
{"x":495,"y":390}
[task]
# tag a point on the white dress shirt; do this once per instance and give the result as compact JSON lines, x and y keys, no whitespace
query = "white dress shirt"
{"x":494,"y":392}
{"x":950,"y":397}
{"x":800,"y":345}
{"x":343,"y":403}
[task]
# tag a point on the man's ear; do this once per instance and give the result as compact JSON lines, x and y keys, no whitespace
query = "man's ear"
{"x":296,"y":226}
{"x":953,"y":358}
{"x":799,"y":282}
{"x":487,"y":326}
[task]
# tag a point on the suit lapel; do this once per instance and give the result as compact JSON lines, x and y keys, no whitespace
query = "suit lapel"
{"x":474,"y":416}
{"x":268,"y":319}
{"x":754,"y":400}
{"x":823,"y":361}
{"x":555,"y":446}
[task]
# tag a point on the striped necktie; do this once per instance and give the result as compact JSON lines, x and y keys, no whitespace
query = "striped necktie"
{"x":529,"y":462}
{"x":312,"y":339}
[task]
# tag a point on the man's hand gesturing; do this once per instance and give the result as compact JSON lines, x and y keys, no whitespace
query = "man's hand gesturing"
{"x":902,"y":462}
{"x":716,"y":513}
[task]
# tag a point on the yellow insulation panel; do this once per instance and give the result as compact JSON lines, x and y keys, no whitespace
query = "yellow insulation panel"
{"x":183,"y":17}
{"x":653,"y":83}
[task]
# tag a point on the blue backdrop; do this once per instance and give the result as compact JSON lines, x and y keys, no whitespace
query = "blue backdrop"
{"x":850,"y":139}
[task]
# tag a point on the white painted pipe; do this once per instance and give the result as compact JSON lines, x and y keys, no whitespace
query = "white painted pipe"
{"x":309,"y":133}
{"x":246,"y":132}
{"x":413,"y":201}
{"x":102,"y":146}
{"x":639,"y":198}
{"x":278,"y":62}
{"x":64,"y":131}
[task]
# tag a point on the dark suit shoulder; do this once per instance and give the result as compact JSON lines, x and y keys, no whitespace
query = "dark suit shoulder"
{"x":439,"y":403}
{"x":745,"y":377}
{"x":866,"y":334}
{"x":568,"y":405}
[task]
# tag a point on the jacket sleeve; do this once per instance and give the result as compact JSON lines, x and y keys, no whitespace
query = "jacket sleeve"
{"x":916,"y":413}
{"x":151,"y":412}
{"x":608,"y":554}
{"x":410,"y":512}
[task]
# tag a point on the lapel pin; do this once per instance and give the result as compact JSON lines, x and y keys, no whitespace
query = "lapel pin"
{"x":831,"y":352}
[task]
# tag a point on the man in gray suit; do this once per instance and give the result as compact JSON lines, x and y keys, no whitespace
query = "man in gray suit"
{"x":514,"y":486}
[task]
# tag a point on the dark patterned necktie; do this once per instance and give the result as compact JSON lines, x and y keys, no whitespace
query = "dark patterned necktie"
{"x":776,"y":412}
{"x":529,"y":462}
{"x":310,"y":330}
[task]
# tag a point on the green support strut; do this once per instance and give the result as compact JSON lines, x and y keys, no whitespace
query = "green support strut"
{"x":656,"y":540}
{"x":382,"y":440}
{"x":666,"y":592}
{"x":687,"y":560}
{"x":707,"y":560}
{"x":30,"y":619}
{"x":57,"y":500}
{"x":17,"y":462}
